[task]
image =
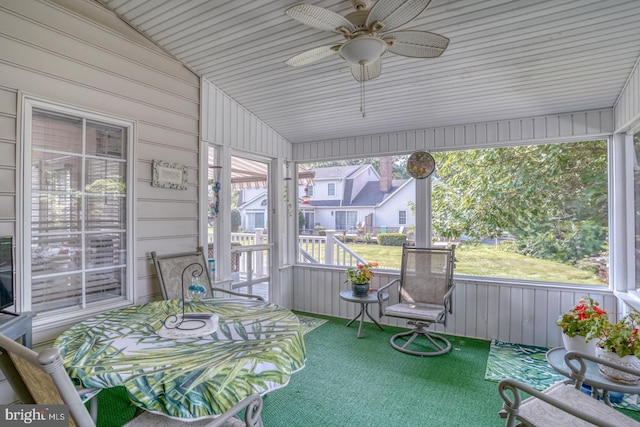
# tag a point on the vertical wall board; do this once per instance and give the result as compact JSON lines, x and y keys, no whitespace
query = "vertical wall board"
{"x":470,"y":312}
{"x":526,"y":129}
{"x":627,"y":107}
{"x":384,"y":143}
{"x":493,"y":133}
{"x":233,"y":123}
{"x":516,"y":318}
{"x":469,"y":135}
{"x":439,"y":138}
{"x":515,"y":130}
{"x":541,"y":317}
{"x":553,"y":126}
{"x":565,"y":124}
{"x":579,"y":123}
{"x":482,"y":312}
{"x":411,"y":138}
{"x":554,"y":305}
{"x":421,"y":139}
{"x":504,"y":300}
{"x":493,"y":315}
{"x":459,"y":136}
{"x":504,"y":131}
{"x":226,"y":120}
{"x":607,"y":120}
{"x":540,"y":128}
{"x":528,"y":314}
{"x":593,"y":121}
{"x":394,"y":141}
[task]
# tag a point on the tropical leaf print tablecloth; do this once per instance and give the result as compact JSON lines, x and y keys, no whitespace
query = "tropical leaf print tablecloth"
{"x":256,"y":349}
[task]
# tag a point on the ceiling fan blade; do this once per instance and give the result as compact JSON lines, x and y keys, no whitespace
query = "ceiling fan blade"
{"x":311,"y":56}
{"x":416,"y":44}
{"x":366,"y":72}
{"x":395,"y":13}
{"x":319,"y":18}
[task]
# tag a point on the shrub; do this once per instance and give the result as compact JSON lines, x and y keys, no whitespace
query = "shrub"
{"x":391,"y":239}
{"x":367,"y":238}
{"x":236,"y":220}
{"x":321,"y":230}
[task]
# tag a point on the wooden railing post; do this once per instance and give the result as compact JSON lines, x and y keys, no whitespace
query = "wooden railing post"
{"x":328,"y":247}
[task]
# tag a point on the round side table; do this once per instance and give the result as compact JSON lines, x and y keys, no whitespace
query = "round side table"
{"x":364,"y":301}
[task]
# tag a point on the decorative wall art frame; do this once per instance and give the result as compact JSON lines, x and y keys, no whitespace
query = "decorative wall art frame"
{"x":169,"y":175}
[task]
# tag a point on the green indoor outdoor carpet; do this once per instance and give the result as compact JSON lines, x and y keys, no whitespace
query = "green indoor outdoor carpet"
{"x":365,"y":382}
{"x":528,"y":364}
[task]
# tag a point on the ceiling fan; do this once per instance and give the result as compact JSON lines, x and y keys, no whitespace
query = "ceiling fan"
{"x":367,"y":35}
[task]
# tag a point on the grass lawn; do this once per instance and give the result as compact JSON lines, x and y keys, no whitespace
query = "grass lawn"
{"x":486,"y":260}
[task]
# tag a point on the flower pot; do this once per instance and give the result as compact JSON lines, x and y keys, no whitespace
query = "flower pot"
{"x":360,"y":289}
{"x":579,"y":344}
{"x":613,"y":374}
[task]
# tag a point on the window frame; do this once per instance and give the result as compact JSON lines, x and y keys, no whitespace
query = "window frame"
{"x":331,"y":189}
{"x":402,"y":221}
{"x":23,"y":237}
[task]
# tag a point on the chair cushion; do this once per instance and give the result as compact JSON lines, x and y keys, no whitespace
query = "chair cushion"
{"x":426,"y":312}
{"x":540,"y":413}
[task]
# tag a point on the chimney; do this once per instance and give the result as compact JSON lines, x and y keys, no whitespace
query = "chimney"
{"x":386,"y":174}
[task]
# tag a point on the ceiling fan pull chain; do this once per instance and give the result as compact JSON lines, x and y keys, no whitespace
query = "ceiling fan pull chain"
{"x":362,"y":100}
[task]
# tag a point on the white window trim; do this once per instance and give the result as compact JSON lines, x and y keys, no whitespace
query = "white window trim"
{"x":23,"y":261}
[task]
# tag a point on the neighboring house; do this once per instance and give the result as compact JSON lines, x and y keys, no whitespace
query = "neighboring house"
{"x":342,"y":198}
{"x":253,"y":209}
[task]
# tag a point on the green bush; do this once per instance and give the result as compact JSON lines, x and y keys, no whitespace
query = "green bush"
{"x":391,"y":239}
{"x":321,"y":230}
{"x":236,"y":220}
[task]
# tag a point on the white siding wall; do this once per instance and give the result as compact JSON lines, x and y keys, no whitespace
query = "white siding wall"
{"x":517,"y":312}
{"x":226,"y":123}
{"x":51,"y":52}
{"x":560,"y":127}
{"x":387,"y":213}
{"x":627,"y":108}
{"x":511,"y":312}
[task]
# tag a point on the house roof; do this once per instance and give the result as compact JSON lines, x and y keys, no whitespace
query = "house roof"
{"x":338,"y":172}
{"x":507,"y":59}
{"x":369,"y":196}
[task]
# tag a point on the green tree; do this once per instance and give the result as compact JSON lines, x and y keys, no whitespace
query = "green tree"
{"x":551,"y":198}
{"x":236,"y":220}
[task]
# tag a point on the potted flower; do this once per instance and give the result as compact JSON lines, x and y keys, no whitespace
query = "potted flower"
{"x":360,"y":278}
{"x":620,"y":343}
{"x":581,"y":325}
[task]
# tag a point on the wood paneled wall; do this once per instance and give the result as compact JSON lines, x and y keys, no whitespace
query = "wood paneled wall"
{"x":53,"y":53}
{"x":554,"y":128}
{"x":521,"y":313}
{"x":627,"y":108}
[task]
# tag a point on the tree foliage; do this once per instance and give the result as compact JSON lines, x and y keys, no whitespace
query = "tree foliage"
{"x":551,"y":198}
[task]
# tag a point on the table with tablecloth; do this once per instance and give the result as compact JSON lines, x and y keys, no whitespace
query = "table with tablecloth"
{"x":255,"y":349}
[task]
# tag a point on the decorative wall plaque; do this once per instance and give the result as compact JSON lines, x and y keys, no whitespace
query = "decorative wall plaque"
{"x":169,"y":175}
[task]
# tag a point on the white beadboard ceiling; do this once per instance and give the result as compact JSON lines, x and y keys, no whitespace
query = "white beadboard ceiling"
{"x":506,"y":59}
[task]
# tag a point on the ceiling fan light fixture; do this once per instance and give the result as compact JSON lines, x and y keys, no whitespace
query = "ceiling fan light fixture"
{"x":362,"y":50}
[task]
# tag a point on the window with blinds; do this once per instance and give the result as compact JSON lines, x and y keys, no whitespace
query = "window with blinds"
{"x":78,"y":211}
